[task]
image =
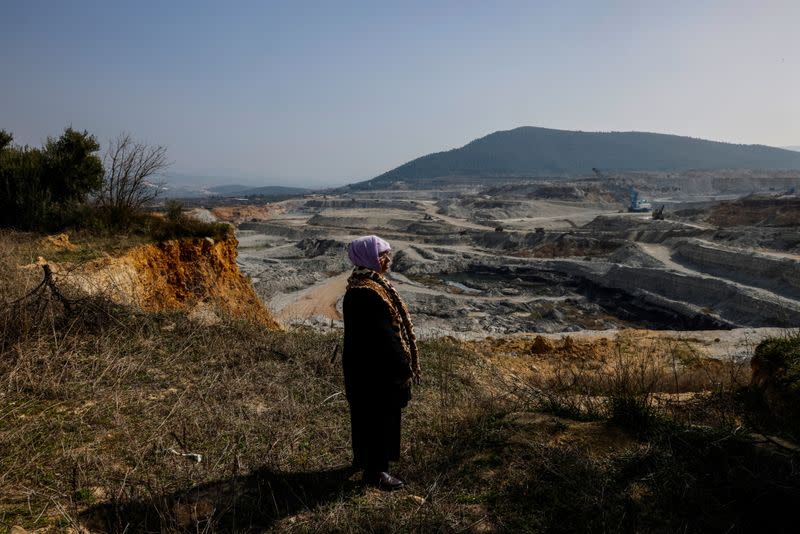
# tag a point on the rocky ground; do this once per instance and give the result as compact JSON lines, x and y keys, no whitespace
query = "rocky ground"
{"x":538,"y":258}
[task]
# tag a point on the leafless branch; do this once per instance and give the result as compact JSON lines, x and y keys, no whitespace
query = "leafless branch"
{"x":129,"y":167}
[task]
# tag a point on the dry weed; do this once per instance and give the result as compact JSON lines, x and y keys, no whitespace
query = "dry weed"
{"x":633,"y":379}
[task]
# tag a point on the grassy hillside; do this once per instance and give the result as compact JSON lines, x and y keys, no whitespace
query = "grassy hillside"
{"x":103,"y":410}
{"x":530,"y":151}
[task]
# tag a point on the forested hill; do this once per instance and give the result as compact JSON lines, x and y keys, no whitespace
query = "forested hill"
{"x":530,"y":151}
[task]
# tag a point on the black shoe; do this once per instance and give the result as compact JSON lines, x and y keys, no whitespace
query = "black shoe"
{"x":382,"y":480}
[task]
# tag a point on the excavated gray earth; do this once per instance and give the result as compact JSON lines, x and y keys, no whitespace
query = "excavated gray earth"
{"x":545,"y":258}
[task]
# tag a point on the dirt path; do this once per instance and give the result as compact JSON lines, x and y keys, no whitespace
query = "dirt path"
{"x":780,"y":255}
{"x":663,"y":254}
{"x":317,"y":300}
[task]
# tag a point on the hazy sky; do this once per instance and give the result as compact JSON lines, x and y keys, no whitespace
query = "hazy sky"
{"x":332,"y":92}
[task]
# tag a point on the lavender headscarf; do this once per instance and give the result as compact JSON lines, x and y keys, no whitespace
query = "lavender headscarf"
{"x":364,"y":252}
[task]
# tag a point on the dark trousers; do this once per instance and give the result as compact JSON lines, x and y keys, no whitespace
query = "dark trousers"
{"x":375,"y":434}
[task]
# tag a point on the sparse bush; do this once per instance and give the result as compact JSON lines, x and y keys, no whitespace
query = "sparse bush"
{"x":782,"y":356}
{"x":174,"y":210}
{"x":165,"y":229}
{"x":177,"y":224}
{"x":776,"y":380}
{"x":634,"y":377}
{"x":98,"y":224}
{"x":567,"y":392}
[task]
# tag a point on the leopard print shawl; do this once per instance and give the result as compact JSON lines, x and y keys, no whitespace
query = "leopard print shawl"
{"x":369,"y":279}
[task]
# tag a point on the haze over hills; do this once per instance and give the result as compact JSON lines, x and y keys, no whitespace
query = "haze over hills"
{"x":266,"y":190}
{"x":796,"y":148}
{"x":542,"y":152}
{"x":190,"y":186}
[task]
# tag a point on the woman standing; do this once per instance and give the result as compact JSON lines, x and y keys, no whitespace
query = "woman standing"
{"x":379,"y":359}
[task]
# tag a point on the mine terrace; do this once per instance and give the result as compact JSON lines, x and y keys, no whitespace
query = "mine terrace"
{"x":543,"y":256}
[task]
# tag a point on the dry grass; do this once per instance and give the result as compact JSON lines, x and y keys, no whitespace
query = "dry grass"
{"x":94,"y":399}
{"x":91,"y":412}
{"x":633,"y":377}
{"x":98,"y":403}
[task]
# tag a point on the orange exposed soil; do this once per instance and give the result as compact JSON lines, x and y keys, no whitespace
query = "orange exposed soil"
{"x":172,"y":275}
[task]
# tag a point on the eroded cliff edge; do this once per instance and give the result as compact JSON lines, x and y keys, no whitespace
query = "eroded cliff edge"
{"x":181,"y":274}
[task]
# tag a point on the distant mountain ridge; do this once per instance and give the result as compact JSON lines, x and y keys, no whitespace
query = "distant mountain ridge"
{"x":266,"y":190}
{"x":542,"y":152}
{"x":188,"y":190}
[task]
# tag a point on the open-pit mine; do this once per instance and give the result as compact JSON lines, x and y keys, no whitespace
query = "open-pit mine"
{"x":545,"y":257}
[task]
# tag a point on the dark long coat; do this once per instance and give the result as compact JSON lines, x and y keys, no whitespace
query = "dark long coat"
{"x":376,"y":375}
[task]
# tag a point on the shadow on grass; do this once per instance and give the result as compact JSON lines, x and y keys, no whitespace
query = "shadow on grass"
{"x":252,"y":502}
{"x":683,"y":481}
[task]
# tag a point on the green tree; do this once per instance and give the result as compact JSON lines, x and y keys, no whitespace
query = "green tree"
{"x":6,"y":192}
{"x":5,"y":139}
{"x":72,"y":169}
{"x":38,"y":186}
{"x":22,"y":199}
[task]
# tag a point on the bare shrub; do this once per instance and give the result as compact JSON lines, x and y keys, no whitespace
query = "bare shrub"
{"x":568,"y":391}
{"x":24,"y":308}
{"x":633,"y":378}
{"x":128,"y":186}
